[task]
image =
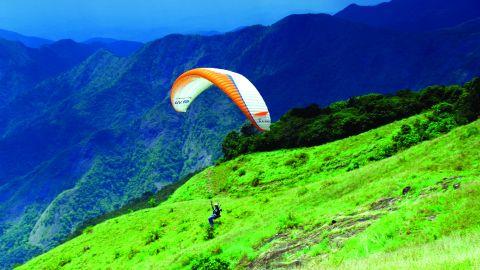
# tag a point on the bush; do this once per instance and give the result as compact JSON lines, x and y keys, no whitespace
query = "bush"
{"x":208,"y":263}
{"x":88,"y":230}
{"x":471,"y":131}
{"x":152,"y":202}
{"x":132,"y":253}
{"x":241,"y":172}
{"x":297,"y":161}
{"x":255,"y":182}
{"x":289,"y":222}
{"x":353,"y":166}
{"x":302,"y":191}
{"x":64,"y":261}
{"x":439,"y":121}
{"x":405,"y":138}
{"x":209,"y":233}
{"x":152,"y":236}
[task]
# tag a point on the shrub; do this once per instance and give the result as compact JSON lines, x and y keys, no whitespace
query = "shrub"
{"x":217,"y":250}
{"x":209,"y":263}
{"x":471,"y":131}
{"x":289,"y":222}
{"x":209,"y":233}
{"x":405,"y":138}
{"x":439,"y":121}
{"x":302,"y":191}
{"x":353,"y":166}
{"x":64,"y":261}
{"x":152,"y":202}
{"x":88,"y":230}
{"x":255,"y":182}
{"x":132,"y":253}
{"x":297,"y":160}
{"x":152,"y":236}
{"x":241,"y":172}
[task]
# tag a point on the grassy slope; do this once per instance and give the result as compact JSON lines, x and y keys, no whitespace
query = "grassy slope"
{"x":458,"y":251}
{"x":279,"y":207}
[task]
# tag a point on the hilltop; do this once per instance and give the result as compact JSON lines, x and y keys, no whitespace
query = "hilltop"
{"x":413,"y":15}
{"x":323,"y":206}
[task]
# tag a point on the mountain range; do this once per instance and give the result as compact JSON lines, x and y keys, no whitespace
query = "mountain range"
{"x":83,"y":131}
{"x":413,"y":15}
{"x":32,"y":42}
{"x":23,"y":67}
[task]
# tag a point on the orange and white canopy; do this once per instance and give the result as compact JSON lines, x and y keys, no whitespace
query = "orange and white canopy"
{"x":238,"y":88}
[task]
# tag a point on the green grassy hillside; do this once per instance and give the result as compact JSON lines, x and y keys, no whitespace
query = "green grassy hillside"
{"x":321,"y":207}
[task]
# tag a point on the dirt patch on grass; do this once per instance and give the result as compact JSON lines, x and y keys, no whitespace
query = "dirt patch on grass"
{"x":283,"y":251}
{"x":444,"y":184}
{"x":383,"y":203}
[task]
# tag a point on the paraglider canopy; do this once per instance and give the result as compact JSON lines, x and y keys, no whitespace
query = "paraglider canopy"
{"x":238,"y":88}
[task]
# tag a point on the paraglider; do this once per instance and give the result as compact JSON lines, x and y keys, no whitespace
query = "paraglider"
{"x":216,"y":213}
{"x":238,"y":88}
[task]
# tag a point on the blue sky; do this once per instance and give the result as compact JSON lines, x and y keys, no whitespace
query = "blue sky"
{"x":149,"y":19}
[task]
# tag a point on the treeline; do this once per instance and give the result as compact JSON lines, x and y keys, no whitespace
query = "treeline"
{"x":313,"y":125}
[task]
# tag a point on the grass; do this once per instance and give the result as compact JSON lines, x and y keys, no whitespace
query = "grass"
{"x":335,"y":205}
{"x":457,"y":251}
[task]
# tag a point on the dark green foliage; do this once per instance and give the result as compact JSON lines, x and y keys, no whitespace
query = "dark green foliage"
{"x":289,"y":222}
{"x":302,"y":191}
{"x":209,"y":263}
{"x":468,"y":105}
{"x":11,"y":239}
{"x":88,"y":230}
{"x":64,"y":261}
{"x":132,"y":253}
{"x":241,"y":172}
{"x":248,"y":130}
{"x":353,"y":166}
{"x":471,"y":131}
{"x":255,"y":182}
{"x":451,"y":105}
{"x":209,"y":233}
{"x":152,"y":202}
{"x":439,"y":121}
{"x":405,"y":138}
{"x":152,"y":236}
{"x":297,"y":161}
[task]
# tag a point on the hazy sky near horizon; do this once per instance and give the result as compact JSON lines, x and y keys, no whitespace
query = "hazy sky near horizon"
{"x":149,"y":19}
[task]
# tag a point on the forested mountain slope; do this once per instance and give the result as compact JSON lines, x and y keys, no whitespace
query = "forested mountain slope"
{"x":22,"y":67}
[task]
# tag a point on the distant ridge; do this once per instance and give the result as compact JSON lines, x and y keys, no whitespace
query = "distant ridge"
{"x":115,"y":46}
{"x":32,"y":42}
{"x":413,"y":15}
